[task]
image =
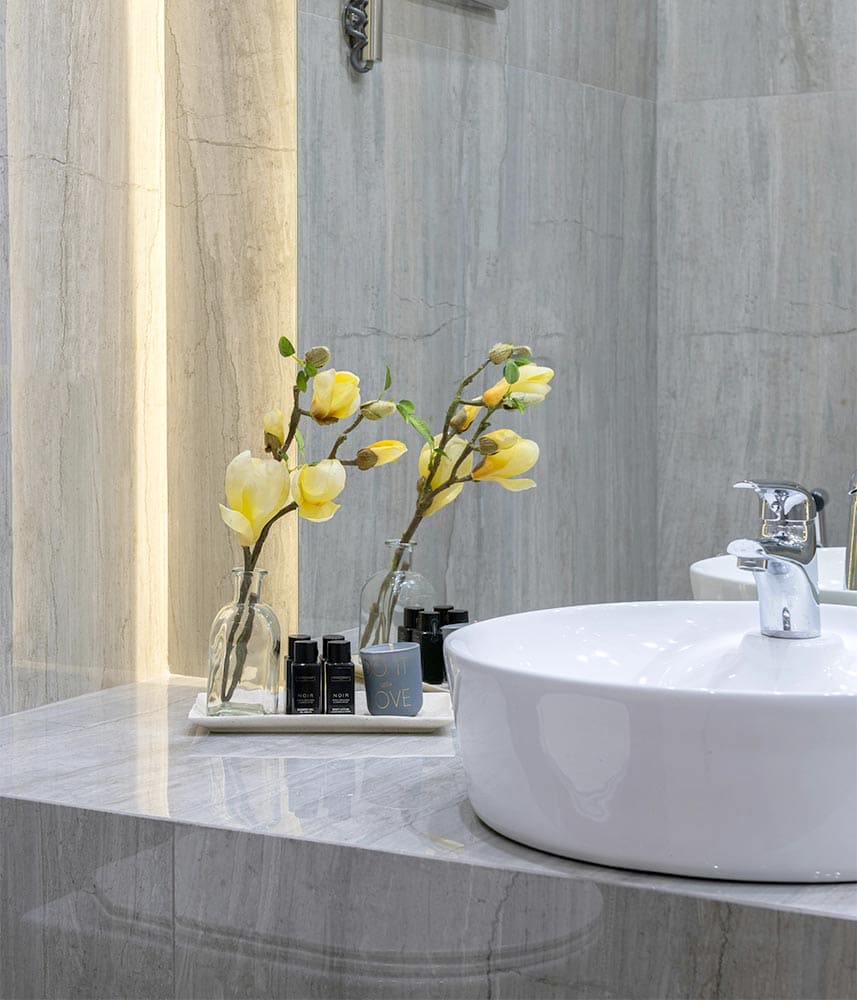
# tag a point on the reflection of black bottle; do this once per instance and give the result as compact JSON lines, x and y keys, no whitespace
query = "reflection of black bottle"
{"x":338,"y":678}
{"x":443,"y":611}
{"x":431,"y":647}
{"x":409,"y":625}
{"x":306,"y":679}
{"x":289,"y":657}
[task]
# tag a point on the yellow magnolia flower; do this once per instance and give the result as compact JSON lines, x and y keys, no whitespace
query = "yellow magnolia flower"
{"x":465,"y":417}
{"x":314,"y":488}
{"x":256,"y":489}
{"x":452,"y":452}
{"x":531,"y":387}
{"x":514,"y":455}
{"x":275,"y":429}
{"x":335,"y":396}
{"x":380,"y":453}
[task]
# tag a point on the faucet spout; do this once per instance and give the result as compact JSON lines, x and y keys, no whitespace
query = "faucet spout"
{"x":788,"y":590}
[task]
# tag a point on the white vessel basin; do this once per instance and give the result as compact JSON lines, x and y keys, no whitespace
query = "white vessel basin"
{"x":719,"y":579}
{"x":667,"y":737}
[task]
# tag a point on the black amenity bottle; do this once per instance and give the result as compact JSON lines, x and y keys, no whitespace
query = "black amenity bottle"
{"x":306,"y":679}
{"x":289,"y":658}
{"x":338,"y":678}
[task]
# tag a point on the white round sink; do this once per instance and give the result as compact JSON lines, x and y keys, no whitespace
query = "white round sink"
{"x":667,"y":737}
{"x":719,"y":579}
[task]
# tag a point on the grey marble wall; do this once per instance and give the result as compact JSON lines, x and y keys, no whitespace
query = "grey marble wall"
{"x":757,"y":263}
{"x":492,"y":179}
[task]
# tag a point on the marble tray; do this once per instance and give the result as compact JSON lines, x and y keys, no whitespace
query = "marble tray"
{"x":436,"y":713}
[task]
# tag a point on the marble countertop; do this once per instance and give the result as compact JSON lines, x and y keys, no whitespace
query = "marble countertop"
{"x":131,"y":750}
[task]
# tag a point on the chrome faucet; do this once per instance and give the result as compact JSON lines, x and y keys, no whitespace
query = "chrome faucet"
{"x":783,"y":559}
{"x":851,"y":545}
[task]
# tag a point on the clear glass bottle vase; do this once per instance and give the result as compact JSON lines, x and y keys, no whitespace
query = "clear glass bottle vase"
{"x":388,"y":592}
{"x":244,"y":652}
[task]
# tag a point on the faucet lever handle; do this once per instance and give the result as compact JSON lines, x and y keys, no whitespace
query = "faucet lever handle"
{"x":782,"y":502}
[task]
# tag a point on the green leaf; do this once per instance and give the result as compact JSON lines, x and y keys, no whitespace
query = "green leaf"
{"x":406,"y":408}
{"x":388,"y":379}
{"x":286,"y":347}
{"x":310,"y":369}
{"x":518,"y":405}
{"x":521,"y":361}
{"x":510,"y":372}
{"x":421,"y":427}
{"x":302,"y":381}
{"x":300,"y":440}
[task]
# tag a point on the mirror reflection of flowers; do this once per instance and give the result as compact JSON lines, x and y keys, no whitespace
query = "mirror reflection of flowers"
{"x":261,"y":491}
{"x":467,"y":451}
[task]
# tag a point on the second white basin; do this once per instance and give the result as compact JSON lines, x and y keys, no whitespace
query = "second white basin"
{"x":669,"y":737}
{"x":719,"y":579}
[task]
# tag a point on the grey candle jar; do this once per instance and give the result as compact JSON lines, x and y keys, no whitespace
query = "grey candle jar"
{"x":393,"y":677}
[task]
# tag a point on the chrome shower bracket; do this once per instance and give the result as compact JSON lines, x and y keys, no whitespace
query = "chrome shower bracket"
{"x":363,"y":23}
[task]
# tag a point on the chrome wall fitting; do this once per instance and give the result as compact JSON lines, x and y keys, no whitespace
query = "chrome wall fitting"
{"x":363,"y":23}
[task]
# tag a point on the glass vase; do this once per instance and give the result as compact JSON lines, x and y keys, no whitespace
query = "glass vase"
{"x":388,"y":592}
{"x":244,"y":652}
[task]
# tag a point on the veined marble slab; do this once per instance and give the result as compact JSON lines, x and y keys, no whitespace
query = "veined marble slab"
{"x":139,"y":857}
{"x":132,"y":750}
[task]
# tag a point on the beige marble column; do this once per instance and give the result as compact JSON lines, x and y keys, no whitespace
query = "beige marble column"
{"x":86,"y":317}
{"x":231,"y":233}
{"x":6,"y":699}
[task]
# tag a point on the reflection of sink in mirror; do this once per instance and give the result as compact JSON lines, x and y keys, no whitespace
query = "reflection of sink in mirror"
{"x":668,"y":737}
{"x":719,"y":579}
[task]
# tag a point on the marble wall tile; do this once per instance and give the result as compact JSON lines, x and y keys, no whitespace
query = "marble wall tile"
{"x":757,"y":301}
{"x":86,"y":904}
{"x":84,"y":166}
{"x":604,"y":43}
{"x":313,"y":921}
{"x":732,"y":48}
{"x":259,"y":916}
{"x":449,"y":210}
{"x":6,"y":695}
{"x":231,"y":162}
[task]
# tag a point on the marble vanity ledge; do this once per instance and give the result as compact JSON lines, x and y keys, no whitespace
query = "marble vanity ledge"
{"x":413,"y":806}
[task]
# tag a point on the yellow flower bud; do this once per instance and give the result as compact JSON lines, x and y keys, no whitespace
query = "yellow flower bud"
{"x":531,"y":387}
{"x":317,"y":357}
{"x":514,"y":455}
{"x":500,"y":353}
{"x":464,"y":418}
{"x":377,"y":409}
{"x":335,"y":396}
{"x":275,"y":430}
{"x":256,"y":490}
{"x":314,"y":487}
{"x":380,"y":453}
{"x":454,"y":447}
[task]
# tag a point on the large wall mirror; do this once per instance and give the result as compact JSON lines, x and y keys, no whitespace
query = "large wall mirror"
{"x":659,"y":198}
